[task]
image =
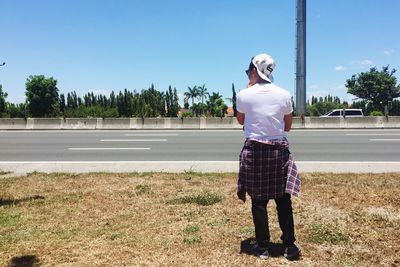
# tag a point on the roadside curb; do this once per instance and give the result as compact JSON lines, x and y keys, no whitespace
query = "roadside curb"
{"x":23,"y":167}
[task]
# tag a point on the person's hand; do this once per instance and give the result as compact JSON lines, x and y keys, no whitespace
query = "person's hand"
{"x":241,"y":194}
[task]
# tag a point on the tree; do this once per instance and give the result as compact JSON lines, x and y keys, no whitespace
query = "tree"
{"x":3,"y":103}
{"x":42,"y":96}
{"x":192,"y":93}
{"x":220,"y":108}
{"x":171,"y":99}
{"x":63,"y":106}
{"x":202,"y":93}
{"x":378,"y":87}
{"x":211,"y":103}
{"x":234,"y":100}
{"x":113,"y":103}
{"x":154,"y":102}
{"x":16,"y":110}
{"x":175,"y":104}
{"x":322,"y":105}
{"x":216,"y":106}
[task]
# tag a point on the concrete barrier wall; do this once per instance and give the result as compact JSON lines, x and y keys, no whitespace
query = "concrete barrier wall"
{"x":188,"y":123}
{"x":44,"y":123}
{"x":80,"y":124}
{"x":297,"y":123}
{"x":219,"y":123}
{"x":114,"y":123}
{"x":391,"y":122}
{"x":12,"y":124}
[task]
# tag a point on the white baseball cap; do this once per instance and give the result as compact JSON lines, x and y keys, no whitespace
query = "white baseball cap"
{"x":264,"y":64}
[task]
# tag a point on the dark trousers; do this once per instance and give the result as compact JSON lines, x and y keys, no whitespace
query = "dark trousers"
{"x":285,"y":217}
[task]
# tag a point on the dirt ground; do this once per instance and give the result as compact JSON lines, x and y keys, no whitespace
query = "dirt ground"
{"x":191,"y":219}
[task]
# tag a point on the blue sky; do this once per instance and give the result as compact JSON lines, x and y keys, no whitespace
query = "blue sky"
{"x":100,"y":46}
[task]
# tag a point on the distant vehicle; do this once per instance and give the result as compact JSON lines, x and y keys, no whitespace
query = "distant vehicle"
{"x":349,"y":112}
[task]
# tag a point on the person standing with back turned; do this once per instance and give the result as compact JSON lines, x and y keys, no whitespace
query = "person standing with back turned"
{"x":267,"y":169}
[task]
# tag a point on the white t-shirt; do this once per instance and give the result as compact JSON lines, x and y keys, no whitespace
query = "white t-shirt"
{"x":264,"y":106}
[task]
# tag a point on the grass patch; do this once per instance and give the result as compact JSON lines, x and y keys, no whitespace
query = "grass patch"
{"x":191,"y":229}
{"x":320,"y":233}
{"x":247,"y":231}
{"x":97,"y":219}
{"x":72,"y":197}
{"x":219,"y":222}
{"x":192,"y":240}
{"x":204,"y":199}
{"x":8,"y":220}
{"x":142,"y":189}
{"x":115,"y":236}
{"x":63,"y":233}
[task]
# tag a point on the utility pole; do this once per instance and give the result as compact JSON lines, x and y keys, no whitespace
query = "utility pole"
{"x":301,"y":58}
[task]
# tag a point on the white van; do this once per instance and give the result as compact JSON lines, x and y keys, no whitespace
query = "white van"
{"x":349,"y":112}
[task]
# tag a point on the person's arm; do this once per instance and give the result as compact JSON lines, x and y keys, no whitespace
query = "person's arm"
{"x":240,"y":117}
{"x":288,"y":122}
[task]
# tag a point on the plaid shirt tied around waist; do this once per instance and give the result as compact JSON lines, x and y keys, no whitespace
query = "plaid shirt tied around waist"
{"x":267,"y":170}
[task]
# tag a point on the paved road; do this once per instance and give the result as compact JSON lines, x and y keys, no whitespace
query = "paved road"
{"x":197,"y":150}
{"x":184,"y":145}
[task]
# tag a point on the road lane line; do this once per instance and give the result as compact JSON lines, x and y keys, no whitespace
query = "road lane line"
{"x":133,"y":140}
{"x":109,"y":148}
{"x":151,"y":134}
{"x":384,"y":140}
{"x":376,"y":134}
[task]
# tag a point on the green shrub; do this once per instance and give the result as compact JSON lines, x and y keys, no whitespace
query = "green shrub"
{"x":376,"y":113}
{"x":187,"y":115}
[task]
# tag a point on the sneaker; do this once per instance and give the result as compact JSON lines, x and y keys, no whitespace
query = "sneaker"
{"x":262,"y":253}
{"x":292,"y":252}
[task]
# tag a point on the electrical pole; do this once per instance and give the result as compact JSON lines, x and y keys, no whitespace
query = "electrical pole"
{"x":301,"y":58}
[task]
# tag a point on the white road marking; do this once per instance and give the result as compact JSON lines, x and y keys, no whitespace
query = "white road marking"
{"x":343,"y":130}
{"x":151,"y":134}
{"x":133,"y":140}
{"x":384,"y":140}
{"x":376,"y":134}
{"x":109,"y":148}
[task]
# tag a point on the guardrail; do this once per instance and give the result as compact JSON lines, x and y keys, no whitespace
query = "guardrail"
{"x":187,"y":123}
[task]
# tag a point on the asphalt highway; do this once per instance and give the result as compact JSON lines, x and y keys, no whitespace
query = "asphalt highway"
{"x":380,"y":145}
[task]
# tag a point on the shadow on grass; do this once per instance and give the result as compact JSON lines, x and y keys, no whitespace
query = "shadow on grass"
{"x":274,"y":249}
{"x":10,"y":202}
{"x":24,"y":261}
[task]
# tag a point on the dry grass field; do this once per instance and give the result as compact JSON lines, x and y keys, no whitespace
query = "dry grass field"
{"x":191,"y":219}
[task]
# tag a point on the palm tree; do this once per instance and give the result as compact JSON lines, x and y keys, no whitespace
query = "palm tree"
{"x":211,"y":102}
{"x":215,"y":95}
{"x":203,"y":93}
{"x":193,"y":92}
